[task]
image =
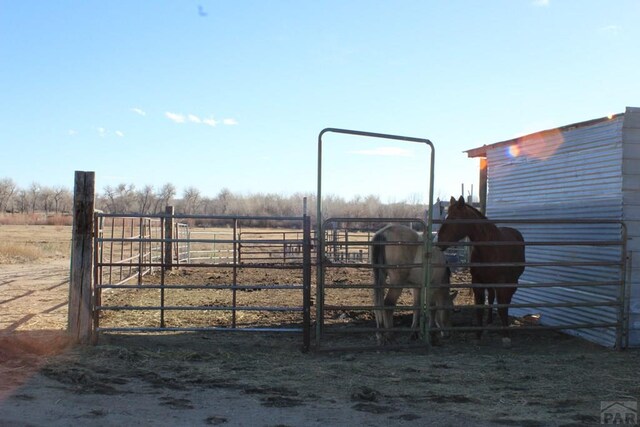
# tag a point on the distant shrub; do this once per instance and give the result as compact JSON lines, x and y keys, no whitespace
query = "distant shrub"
{"x":14,"y":253}
{"x":35,"y":219}
{"x":59,"y":220}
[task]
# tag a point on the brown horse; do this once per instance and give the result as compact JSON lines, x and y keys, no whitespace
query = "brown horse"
{"x":486,"y":231}
{"x":389,"y":250}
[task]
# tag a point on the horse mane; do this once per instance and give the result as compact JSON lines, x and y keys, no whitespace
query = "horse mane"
{"x":473,"y":209}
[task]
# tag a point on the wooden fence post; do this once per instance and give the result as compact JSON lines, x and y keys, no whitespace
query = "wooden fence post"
{"x":80,"y":286}
{"x":168,"y":235}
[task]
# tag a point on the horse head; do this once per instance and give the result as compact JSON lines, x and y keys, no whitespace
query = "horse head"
{"x":452,"y":232}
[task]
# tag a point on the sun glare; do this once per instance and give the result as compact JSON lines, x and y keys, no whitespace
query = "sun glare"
{"x":540,"y":145}
{"x":513,"y":150}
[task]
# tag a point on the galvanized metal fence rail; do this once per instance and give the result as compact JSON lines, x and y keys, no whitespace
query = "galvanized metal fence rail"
{"x":574,"y":282}
{"x":160,"y":240}
{"x":344,"y":297}
{"x":131,"y":250}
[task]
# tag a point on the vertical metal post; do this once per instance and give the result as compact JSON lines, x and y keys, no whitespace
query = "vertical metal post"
{"x":97,"y":275}
{"x":346,"y":245}
{"x":141,"y":250}
{"x":427,"y":258}
{"x":124,"y":226}
{"x":306,"y":282}
{"x":168,"y":237}
{"x":319,"y":249}
{"x":482,"y":191}
{"x":166,"y":243}
{"x":236,"y":257}
{"x":111,"y":250}
{"x":189,"y":244}
{"x":284,"y":247}
{"x":131,"y":237}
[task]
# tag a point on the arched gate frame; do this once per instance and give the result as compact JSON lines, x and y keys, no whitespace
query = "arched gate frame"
{"x":320,"y":232}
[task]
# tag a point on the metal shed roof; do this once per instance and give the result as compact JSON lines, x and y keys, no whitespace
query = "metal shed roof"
{"x":482,"y":151}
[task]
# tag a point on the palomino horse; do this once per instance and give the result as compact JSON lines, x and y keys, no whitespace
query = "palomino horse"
{"x":486,"y":231}
{"x":388,"y":249}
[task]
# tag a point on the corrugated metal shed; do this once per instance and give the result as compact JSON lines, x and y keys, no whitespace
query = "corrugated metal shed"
{"x":631,"y":214}
{"x":585,"y":170}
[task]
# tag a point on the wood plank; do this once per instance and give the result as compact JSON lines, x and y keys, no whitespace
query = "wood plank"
{"x":80,"y":287}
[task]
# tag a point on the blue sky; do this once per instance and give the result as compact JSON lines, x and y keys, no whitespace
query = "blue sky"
{"x":233,"y":94}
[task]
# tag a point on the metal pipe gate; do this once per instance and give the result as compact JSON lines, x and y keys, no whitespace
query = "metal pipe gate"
{"x":146,"y":251}
{"x":320,"y":227}
{"x":574,"y":285}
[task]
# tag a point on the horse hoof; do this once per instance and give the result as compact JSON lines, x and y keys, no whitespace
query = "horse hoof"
{"x":506,"y":342}
{"x":385,"y":339}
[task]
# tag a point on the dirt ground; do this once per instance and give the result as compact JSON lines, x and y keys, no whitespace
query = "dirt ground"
{"x":264,"y":379}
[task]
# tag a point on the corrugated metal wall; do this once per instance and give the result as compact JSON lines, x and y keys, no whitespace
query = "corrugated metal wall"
{"x":575,"y":173}
{"x":631,"y":200}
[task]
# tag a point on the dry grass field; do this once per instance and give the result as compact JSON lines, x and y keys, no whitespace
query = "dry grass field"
{"x":264,"y":379}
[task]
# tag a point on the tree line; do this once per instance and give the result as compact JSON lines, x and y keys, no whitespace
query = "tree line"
{"x":35,"y":198}
{"x":126,"y":199}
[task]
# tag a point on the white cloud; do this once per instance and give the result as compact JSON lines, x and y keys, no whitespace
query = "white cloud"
{"x":73,"y":132}
{"x":178,"y":118}
{"x":384,"y":151}
{"x":139,"y":111}
{"x":102,"y":132}
{"x":211,"y":122}
{"x":194,"y":119}
{"x":119,"y":133}
{"x":541,"y":3}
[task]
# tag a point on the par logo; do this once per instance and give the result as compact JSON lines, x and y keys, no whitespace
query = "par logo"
{"x":620,"y":412}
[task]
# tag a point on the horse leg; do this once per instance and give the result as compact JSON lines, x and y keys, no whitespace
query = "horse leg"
{"x":415,"y":334}
{"x":504,"y":297}
{"x":478,"y":296}
{"x":390,"y":301}
{"x":491,"y":296}
{"x":435,"y":337}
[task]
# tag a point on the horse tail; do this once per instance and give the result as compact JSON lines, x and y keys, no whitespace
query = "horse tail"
{"x":378,"y":258}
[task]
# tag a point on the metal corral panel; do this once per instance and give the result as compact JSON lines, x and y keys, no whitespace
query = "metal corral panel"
{"x":631,"y":215}
{"x":564,"y":174}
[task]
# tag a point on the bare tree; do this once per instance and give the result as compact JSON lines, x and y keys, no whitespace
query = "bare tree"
{"x":7,"y":189}
{"x":164,"y":196}
{"x":34,"y":194}
{"x":110,"y":198}
{"x":60,"y":196}
{"x":145,"y":199}
{"x":46,"y":199}
{"x":120,"y":199}
{"x":222,"y":201}
{"x":207,"y":205}
{"x":191,"y":200}
{"x":126,"y":197}
{"x":22,"y":204}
